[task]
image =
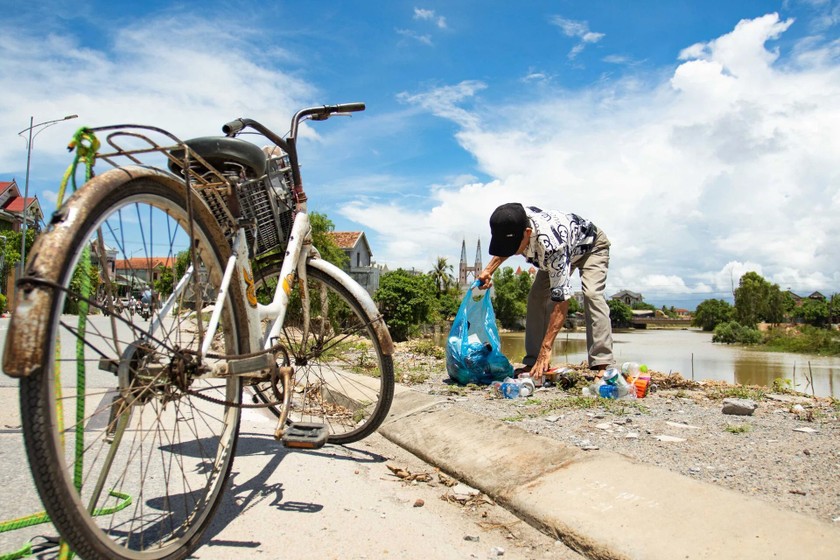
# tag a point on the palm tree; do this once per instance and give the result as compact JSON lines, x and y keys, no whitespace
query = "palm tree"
{"x":442,"y":274}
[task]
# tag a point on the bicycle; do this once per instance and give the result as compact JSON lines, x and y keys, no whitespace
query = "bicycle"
{"x":131,"y":433}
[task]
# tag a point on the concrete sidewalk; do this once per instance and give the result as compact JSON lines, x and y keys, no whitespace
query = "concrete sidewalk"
{"x":605,"y":505}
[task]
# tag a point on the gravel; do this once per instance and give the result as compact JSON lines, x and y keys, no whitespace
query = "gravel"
{"x":786,"y":453}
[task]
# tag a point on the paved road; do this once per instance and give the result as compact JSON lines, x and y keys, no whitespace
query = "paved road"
{"x":332,"y":503}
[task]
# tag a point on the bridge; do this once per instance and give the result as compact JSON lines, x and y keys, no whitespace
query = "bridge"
{"x":643,"y":322}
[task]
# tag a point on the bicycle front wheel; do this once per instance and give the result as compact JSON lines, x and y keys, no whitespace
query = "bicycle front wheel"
{"x":130,"y":437}
{"x":343,"y":377}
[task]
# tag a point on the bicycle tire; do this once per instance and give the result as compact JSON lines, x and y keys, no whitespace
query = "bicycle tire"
{"x":343,"y":377}
{"x":172,"y":452}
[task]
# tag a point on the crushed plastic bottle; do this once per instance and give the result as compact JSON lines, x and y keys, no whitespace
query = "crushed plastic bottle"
{"x":593,"y":390}
{"x":616,"y":385}
{"x":510,"y":388}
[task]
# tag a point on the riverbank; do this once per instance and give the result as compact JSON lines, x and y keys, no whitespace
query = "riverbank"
{"x":786,"y":453}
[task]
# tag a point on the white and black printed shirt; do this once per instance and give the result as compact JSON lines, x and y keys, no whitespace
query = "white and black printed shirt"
{"x":557,"y":240}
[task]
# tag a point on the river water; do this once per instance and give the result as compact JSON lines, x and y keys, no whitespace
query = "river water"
{"x":692,"y":354}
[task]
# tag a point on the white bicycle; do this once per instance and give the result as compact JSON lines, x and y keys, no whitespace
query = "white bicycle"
{"x":131,"y":424}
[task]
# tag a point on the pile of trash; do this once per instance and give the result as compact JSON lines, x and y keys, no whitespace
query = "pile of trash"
{"x":631,"y":381}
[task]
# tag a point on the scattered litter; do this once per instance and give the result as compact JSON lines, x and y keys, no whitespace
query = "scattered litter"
{"x":631,"y":435}
{"x":407,"y":476}
{"x":679,"y":425}
{"x":497,"y":551}
{"x":806,"y":430}
{"x":552,"y":418}
{"x":669,"y":439}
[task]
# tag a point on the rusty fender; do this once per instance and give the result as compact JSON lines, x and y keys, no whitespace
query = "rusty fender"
{"x":26,"y":340}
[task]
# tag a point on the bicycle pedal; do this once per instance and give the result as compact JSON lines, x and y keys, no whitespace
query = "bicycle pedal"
{"x":305,"y":435}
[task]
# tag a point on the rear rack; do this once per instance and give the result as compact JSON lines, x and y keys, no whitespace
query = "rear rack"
{"x":266,"y":201}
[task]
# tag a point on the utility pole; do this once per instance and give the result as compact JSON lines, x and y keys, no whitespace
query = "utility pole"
{"x":29,"y":129}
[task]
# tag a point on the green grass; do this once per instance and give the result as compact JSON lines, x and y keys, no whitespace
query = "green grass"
{"x":738,"y":392}
{"x":805,"y":339}
{"x":738,"y":428}
{"x":613,"y":406}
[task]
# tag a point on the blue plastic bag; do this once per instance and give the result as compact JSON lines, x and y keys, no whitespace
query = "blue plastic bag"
{"x":473,"y":349}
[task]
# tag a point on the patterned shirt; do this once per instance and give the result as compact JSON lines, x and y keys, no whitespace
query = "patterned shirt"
{"x":557,"y":241}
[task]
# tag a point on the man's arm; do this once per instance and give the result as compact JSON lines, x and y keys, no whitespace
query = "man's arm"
{"x":555,"y":324}
{"x":486,"y":275}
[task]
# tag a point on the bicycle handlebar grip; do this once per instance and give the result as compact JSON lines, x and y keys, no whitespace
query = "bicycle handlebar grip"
{"x":350,"y":107}
{"x":233,"y":127}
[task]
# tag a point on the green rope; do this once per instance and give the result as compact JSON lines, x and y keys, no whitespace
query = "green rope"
{"x":39,"y":518}
{"x":86,"y":144}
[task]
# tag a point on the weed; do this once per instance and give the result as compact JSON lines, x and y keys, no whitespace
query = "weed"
{"x":782,"y":385}
{"x":427,"y":347}
{"x":737,"y":392}
{"x":516,"y":418}
{"x":415,"y":376}
{"x":738,"y":428}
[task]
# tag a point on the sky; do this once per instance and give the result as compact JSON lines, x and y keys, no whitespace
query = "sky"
{"x":700,"y":136}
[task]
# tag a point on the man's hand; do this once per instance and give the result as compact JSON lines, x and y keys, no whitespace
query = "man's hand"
{"x":542,"y":365}
{"x":486,"y":275}
{"x":486,"y":279}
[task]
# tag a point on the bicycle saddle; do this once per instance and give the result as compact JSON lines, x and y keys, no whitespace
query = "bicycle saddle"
{"x":219,"y":150}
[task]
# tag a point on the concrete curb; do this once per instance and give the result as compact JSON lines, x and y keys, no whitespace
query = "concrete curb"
{"x":605,"y":505}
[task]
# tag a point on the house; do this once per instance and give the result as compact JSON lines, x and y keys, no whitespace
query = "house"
{"x":12,"y":206}
{"x":797,"y":299}
{"x":628,"y":297}
{"x":139,"y":272}
{"x":360,"y":265}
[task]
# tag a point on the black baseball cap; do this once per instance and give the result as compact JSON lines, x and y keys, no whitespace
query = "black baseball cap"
{"x":507,"y":227}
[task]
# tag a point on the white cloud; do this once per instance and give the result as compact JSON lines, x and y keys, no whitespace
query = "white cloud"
{"x":430,"y":15}
{"x":578,"y":30}
{"x":420,"y":38}
{"x":162,"y":72}
{"x":731,"y":160}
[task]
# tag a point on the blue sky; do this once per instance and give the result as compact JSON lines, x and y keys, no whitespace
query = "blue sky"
{"x":700,"y":136}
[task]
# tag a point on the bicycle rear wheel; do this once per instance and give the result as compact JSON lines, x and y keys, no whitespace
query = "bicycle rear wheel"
{"x":343,"y":377}
{"x":127,"y":448}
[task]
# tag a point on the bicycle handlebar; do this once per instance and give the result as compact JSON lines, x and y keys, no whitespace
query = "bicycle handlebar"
{"x":315,"y":113}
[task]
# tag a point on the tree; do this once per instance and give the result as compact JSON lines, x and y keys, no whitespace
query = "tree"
{"x":620,"y":313}
{"x":321,"y":226}
{"x":510,"y":300}
{"x":710,"y":313}
{"x":758,"y":300}
{"x":406,"y":301}
{"x":814,"y":312}
{"x":442,"y":275}
{"x":751,"y":299}
{"x":733,"y":332}
{"x":11,"y":249}
{"x":165,"y":282}
{"x":448,"y":303}
{"x":833,"y":308}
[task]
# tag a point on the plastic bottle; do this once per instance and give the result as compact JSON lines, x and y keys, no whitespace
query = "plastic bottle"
{"x":496,"y":389}
{"x":593,"y":390}
{"x":510,"y":388}
{"x":608,"y":391}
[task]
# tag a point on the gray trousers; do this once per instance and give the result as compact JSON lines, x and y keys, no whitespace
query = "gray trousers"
{"x":593,"y":278}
